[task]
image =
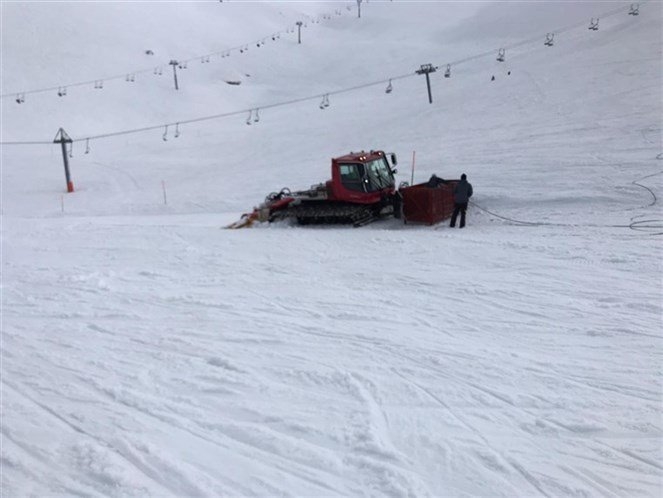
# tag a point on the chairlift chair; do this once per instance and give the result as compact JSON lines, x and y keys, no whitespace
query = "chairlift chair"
{"x":501,"y":54}
{"x":549,"y":39}
{"x":635,"y":9}
{"x":447,"y":72}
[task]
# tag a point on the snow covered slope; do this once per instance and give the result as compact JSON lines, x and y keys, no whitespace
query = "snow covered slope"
{"x":148,"y":352}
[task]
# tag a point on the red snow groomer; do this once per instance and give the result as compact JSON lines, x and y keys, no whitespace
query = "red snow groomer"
{"x":362,"y":189}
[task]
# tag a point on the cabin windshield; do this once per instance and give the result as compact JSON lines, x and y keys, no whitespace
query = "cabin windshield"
{"x":368,"y":177}
{"x":379,"y":174}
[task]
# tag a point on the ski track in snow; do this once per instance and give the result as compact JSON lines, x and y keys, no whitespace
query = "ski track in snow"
{"x":261,"y":349}
{"x":148,"y":352}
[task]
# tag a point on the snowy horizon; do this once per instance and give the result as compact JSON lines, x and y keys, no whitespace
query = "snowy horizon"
{"x":147,"y":351}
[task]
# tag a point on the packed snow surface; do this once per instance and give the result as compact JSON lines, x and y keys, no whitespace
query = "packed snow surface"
{"x":146,"y":351}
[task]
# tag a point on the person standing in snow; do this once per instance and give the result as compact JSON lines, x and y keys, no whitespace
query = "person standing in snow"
{"x":462,"y":194}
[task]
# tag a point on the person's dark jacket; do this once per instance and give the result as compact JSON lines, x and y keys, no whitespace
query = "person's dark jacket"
{"x":462,"y":192}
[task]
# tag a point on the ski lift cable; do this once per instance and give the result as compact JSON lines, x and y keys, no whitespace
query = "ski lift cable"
{"x":537,"y":38}
{"x":239,"y":47}
{"x":221,"y":115}
{"x":140,"y":71}
{"x":302,"y":99}
{"x":235,"y":113}
{"x":244,"y":46}
{"x":34,"y":142}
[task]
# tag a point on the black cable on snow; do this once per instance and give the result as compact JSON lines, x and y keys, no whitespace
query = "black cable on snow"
{"x":647,"y":188}
{"x":635,"y":225}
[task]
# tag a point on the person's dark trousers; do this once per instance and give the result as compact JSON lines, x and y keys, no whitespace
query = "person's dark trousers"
{"x":459,"y":207}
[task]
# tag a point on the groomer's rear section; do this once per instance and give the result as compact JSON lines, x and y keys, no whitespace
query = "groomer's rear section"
{"x":430,"y":202}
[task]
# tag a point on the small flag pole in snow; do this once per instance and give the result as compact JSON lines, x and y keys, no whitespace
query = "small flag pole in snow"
{"x":62,"y":138}
{"x":163,"y":187}
{"x":412,"y":180}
